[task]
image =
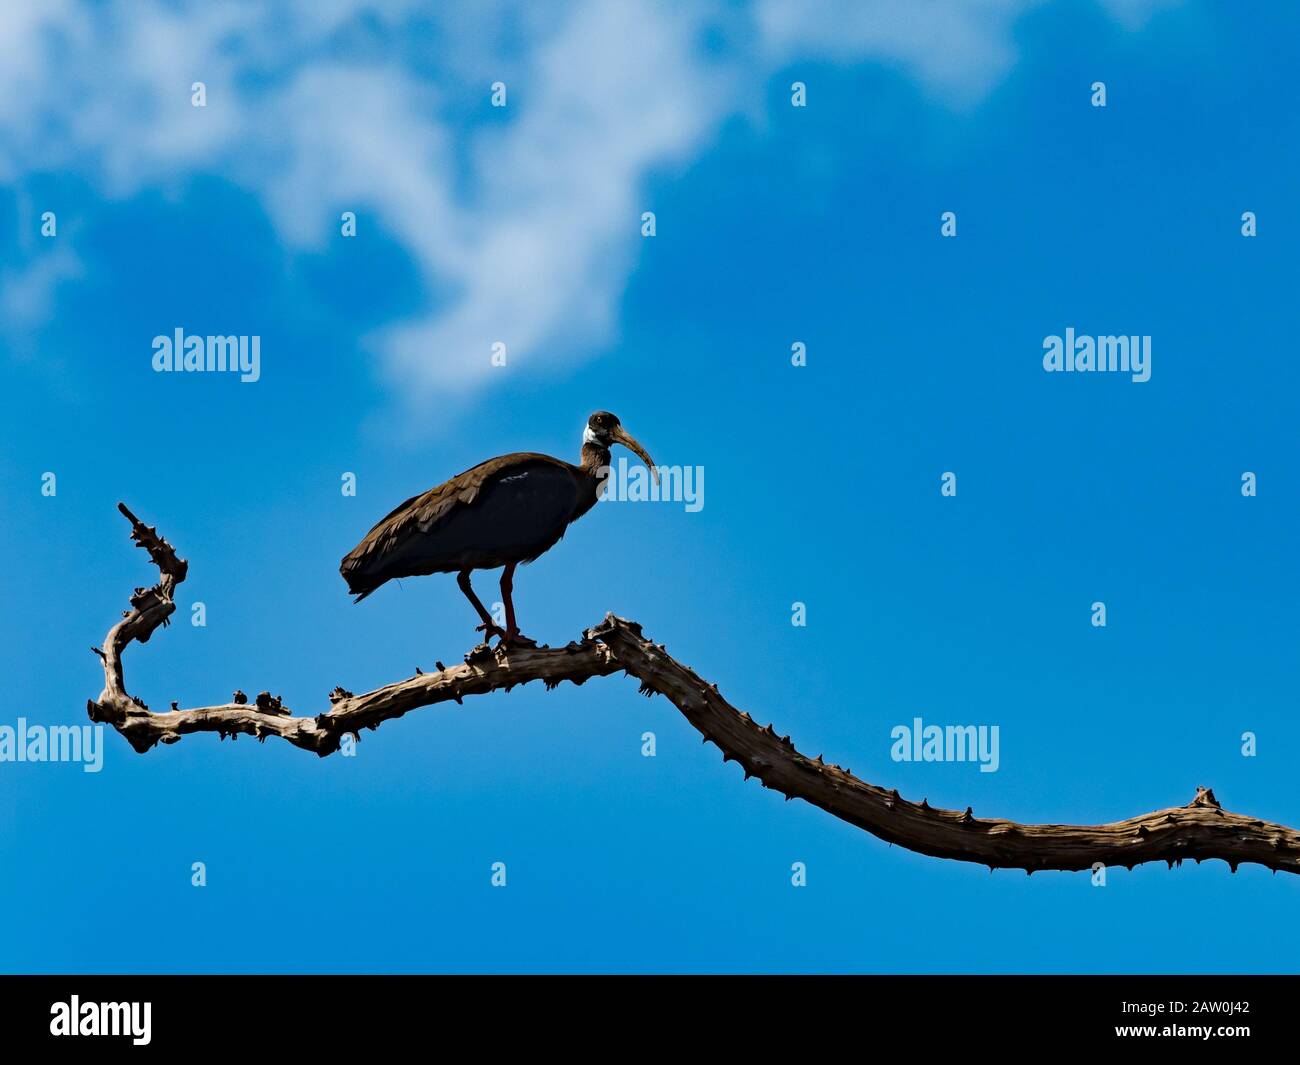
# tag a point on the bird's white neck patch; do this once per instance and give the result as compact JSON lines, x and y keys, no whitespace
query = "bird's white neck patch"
{"x":588,"y":437}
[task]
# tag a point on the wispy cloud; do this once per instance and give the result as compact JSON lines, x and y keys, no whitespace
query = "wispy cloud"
{"x":27,"y":292}
{"x":527,"y":224}
{"x":957,"y":49}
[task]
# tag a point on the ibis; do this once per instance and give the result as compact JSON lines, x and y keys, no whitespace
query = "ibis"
{"x":504,"y":511}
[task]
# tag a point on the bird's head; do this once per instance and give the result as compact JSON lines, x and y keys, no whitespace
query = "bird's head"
{"x":604,"y":430}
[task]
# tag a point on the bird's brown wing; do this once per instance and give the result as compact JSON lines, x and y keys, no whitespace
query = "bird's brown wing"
{"x":363,"y":567}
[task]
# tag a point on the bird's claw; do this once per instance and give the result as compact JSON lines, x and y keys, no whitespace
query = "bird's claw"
{"x":505,"y":637}
{"x":489,"y":630}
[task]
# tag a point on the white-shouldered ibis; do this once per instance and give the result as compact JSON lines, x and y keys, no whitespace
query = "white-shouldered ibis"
{"x":502,"y":512}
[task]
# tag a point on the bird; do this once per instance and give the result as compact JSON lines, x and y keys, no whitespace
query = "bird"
{"x":507,"y":510}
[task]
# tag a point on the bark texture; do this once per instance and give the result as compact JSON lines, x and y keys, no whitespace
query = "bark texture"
{"x":1199,"y":830}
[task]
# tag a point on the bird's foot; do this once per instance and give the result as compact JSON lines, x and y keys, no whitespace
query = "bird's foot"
{"x":489,"y":630}
{"x":516,"y":639}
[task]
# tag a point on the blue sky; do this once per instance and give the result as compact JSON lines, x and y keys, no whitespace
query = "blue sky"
{"x":774,"y":225}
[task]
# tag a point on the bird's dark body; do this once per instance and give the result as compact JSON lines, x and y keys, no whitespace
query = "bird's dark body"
{"x":506,"y":510}
{"x":502,"y":512}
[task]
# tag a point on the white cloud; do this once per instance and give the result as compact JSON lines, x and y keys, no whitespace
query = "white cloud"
{"x":547,"y":245}
{"x":529,"y":224}
{"x":27,"y":291}
{"x":1135,"y":14}
{"x":958,"y":49}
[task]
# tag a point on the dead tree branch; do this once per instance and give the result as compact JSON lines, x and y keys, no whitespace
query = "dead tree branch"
{"x":1202,"y":829}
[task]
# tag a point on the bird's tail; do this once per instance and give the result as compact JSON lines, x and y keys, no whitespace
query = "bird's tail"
{"x":360,"y":584}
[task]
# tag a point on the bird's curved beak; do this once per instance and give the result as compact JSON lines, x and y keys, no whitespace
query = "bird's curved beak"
{"x":621,"y":436}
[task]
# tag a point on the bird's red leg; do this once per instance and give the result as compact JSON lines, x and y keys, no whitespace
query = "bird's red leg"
{"x":488,"y":628}
{"x":513,"y":635}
